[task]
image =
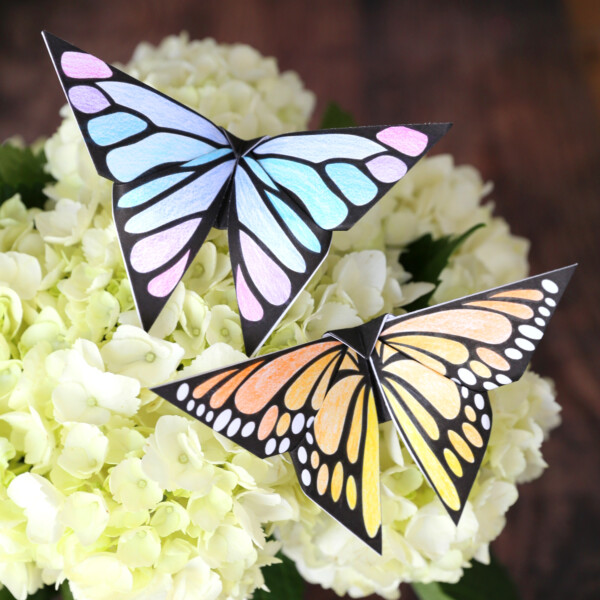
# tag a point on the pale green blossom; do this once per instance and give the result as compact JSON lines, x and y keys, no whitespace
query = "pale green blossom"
{"x":135,"y":353}
{"x":86,"y":514}
{"x":139,"y":547}
{"x":41,"y":503}
{"x":130,"y":486}
{"x":21,"y":273}
{"x":84,"y":392}
{"x":84,"y":450}
{"x":174,"y":456}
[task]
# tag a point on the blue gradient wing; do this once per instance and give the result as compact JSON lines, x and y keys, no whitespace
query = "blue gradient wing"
{"x":336,"y":176}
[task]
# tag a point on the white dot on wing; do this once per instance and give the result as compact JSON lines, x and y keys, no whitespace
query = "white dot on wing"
{"x":248,"y":429}
{"x":550,"y":286}
{"x":302,"y":456}
{"x":298,"y":423}
{"x":531,"y":332}
{"x":467,"y":376}
{"x":525,"y":344}
{"x":234,"y":427}
{"x":182,"y":392}
{"x":222,"y":420}
{"x":479,"y":402}
{"x":306,"y":478}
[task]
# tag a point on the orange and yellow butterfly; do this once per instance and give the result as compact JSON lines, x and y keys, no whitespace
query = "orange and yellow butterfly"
{"x":429,"y":371}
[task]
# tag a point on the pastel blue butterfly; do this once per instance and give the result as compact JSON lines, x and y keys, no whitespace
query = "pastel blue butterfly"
{"x":176,"y":175}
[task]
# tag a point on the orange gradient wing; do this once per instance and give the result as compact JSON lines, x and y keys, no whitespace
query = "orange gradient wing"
{"x":265,"y":404}
{"x":484,"y":340}
{"x":434,"y":368}
{"x":338,"y":460}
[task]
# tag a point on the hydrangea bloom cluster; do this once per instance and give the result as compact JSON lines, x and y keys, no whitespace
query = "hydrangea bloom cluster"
{"x":106,"y":485}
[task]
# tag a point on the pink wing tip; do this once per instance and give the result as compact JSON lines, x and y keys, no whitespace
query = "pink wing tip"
{"x":408,"y":141}
{"x":80,"y":65}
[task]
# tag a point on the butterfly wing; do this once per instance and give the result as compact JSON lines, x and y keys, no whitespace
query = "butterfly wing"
{"x":169,"y":164}
{"x":264,"y":404}
{"x":445,"y":428}
{"x":130,"y":129}
{"x":337,"y":175}
{"x":484,"y":340}
{"x":275,"y":248}
{"x":163,"y":222}
{"x":434,"y":367}
{"x":337,"y":462}
{"x":313,"y":400}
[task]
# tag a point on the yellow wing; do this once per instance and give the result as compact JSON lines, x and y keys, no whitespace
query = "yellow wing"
{"x":445,"y":426}
{"x":338,"y":461}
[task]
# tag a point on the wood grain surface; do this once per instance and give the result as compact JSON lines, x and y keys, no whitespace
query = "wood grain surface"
{"x":521,"y":82}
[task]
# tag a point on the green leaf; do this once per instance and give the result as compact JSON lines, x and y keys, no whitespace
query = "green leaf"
{"x":335,"y":116}
{"x":431,"y":591}
{"x":65,"y":591}
{"x":22,"y":171}
{"x":283,"y":581}
{"x":426,"y":258}
{"x":480,"y":582}
{"x":46,"y":593}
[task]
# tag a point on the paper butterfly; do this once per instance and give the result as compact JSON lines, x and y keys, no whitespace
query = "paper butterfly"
{"x":177,"y":175}
{"x":429,"y":371}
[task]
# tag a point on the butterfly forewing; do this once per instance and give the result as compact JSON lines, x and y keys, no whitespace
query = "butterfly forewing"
{"x":274,"y":247}
{"x":130,"y":129}
{"x":445,"y":427}
{"x":484,"y":340}
{"x":265,"y":404}
{"x":337,"y":175}
{"x":338,"y":460}
{"x":169,"y":164}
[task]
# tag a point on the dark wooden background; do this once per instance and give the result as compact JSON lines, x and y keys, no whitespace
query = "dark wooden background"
{"x":521,"y":82}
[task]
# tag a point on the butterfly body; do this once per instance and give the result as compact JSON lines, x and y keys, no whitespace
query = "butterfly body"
{"x":429,"y":372}
{"x":177,"y":175}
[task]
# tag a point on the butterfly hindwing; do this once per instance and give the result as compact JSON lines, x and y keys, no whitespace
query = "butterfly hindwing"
{"x":337,"y":462}
{"x":337,"y":175}
{"x":484,"y":340}
{"x":130,"y":129}
{"x":162,"y":223}
{"x":274,"y":247}
{"x":264,"y":404}
{"x":445,"y":426}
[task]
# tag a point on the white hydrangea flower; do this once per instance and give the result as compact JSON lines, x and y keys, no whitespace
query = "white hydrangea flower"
{"x":174,"y":458}
{"x":86,"y":514}
{"x":42,"y":504}
{"x":84,"y":392}
{"x":196,"y":579}
{"x":130,"y":486}
{"x":84,"y":450}
{"x":135,"y":353}
{"x":21,"y":273}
